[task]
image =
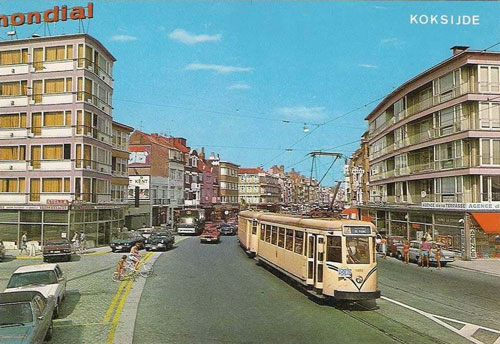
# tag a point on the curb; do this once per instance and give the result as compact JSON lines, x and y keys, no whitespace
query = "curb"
{"x":126,"y":324}
{"x":478,"y":271}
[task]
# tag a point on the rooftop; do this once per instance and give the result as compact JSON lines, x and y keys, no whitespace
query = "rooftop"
{"x":33,"y":268}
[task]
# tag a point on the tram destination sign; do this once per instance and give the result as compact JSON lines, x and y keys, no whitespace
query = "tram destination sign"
{"x":357,"y":230}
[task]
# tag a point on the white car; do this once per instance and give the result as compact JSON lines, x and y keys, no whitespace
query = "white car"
{"x":47,"y":279}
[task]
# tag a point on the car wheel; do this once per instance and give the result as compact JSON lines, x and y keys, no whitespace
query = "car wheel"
{"x":399,"y":256}
{"x":68,"y":258}
{"x":55,"y":315}
{"x":444,"y":264}
{"x":113,"y":250}
{"x":50,"y":332}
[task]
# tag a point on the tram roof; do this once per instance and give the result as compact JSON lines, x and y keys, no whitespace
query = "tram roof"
{"x":294,"y":220}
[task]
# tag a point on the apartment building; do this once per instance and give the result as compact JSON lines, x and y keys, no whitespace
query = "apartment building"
{"x":258,"y":188}
{"x":56,"y":139}
{"x":356,"y":173}
{"x":156,"y":180}
{"x":434,"y":155}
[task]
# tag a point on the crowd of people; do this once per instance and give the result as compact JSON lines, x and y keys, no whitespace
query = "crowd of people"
{"x":425,"y":248}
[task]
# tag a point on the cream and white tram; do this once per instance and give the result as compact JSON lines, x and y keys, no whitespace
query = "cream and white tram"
{"x":330,"y":258}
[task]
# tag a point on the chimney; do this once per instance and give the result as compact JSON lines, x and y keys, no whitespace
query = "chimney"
{"x":202,"y":153}
{"x":457,"y":49}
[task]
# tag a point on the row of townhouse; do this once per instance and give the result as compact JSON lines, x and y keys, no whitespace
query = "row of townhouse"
{"x":430,"y":160}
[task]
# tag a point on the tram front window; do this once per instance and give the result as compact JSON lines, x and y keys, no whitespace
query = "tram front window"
{"x":358,"y":250}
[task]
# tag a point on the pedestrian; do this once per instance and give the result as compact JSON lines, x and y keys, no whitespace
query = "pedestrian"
{"x":383,"y":247}
{"x":425,"y":248}
{"x":83,"y":240}
{"x":428,"y":236}
{"x":438,"y":256}
{"x":76,"y":240}
{"x":24,"y":243}
{"x":406,"y":251}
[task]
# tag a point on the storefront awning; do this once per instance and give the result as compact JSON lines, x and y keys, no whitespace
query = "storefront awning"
{"x":489,"y":222}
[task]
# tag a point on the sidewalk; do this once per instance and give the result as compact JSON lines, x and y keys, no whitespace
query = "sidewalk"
{"x":487,"y":266}
{"x":15,"y":254}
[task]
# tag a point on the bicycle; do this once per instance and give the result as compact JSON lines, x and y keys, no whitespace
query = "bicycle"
{"x":144,"y":270}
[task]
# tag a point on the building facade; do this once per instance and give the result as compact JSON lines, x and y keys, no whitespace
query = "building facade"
{"x":434,"y":155}
{"x":356,"y":173}
{"x":56,"y":139}
{"x":156,"y":180}
{"x":258,"y":188}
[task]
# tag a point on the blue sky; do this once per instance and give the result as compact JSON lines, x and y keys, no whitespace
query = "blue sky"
{"x":205,"y":70}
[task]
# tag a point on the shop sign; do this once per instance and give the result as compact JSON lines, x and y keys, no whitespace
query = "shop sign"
{"x":57,"y":201}
{"x":461,"y":206}
{"x":51,"y":15}
{"x":139,"y":155}
{"x":33,"y":207}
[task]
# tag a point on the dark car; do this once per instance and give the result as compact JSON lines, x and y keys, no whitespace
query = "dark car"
{"x":395,"y":246}
{"x":57,"y":249}
{"x":125,"y":240}
{"x":25,"y":317}
{"x":210,"y":235}
{"x":227,"y":229}
{"x":160,"y":241}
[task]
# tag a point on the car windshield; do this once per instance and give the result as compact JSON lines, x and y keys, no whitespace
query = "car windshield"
{"x":35,"y":277}
{"x":15,"y":313}
{"x":187,"y":220}
{"x":358,"y":250}
{"x":123,"y":236}
{"x":159,"y":236}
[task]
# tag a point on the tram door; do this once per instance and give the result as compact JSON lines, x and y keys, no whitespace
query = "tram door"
{"x":311,"y":254}
{"x":320,"y":252}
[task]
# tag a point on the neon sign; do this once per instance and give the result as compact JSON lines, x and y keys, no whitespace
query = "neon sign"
{"x":49,"y":16}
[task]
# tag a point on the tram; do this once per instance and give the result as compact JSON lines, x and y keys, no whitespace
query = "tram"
{"x":329,"y":258}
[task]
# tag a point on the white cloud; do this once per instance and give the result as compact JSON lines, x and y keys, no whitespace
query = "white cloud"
{"x":239,"y":86}
{"x":123,"y":38}
{"x":189,"y":38}
{"x":396,"y":42}
{"x":365,"y":65}
{"x":217,"y":68}
{"x":303,"y":112}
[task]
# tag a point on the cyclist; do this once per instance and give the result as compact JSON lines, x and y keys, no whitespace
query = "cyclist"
{"x":134,"y":255}
{"x":120,"y":267}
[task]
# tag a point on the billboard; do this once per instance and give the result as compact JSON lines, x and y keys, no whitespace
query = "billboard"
{"x":139,"y":155}
{"x":138,"y":181}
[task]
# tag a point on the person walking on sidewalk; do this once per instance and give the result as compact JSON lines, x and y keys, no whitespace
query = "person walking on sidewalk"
{"x":24,"y":243}
{"x":425,"y":249}
{"x":406,"y":252}
{"x":383,"y":245}
{"x":438,"y":256}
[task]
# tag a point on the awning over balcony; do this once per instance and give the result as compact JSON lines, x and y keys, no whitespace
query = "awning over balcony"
{"x":489,"y":222}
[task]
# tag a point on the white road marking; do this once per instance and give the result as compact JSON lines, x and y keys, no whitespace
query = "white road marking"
{"x":467,"y":331}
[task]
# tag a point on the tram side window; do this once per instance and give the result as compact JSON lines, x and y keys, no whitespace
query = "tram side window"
{"x":262,"y":232}
{"x":289,"y":239}
{"x":299,"y":242}
{"x":254,"y":227}
{"x":334,"y":249}
{"x":268,"y":233}
{"x":281,"y":237}
{"x":274,"y":238}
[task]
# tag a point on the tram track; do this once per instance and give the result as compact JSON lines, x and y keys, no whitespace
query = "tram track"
{"x":385,"y":332}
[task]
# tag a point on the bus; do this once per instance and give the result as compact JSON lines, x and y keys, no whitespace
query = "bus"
{"x":191,"y":221}
{"x":329,"y":258}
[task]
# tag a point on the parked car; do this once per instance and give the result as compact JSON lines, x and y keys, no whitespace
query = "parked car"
{"x":125,"y":240}
{"x":210,"y":235}
{"x":47,"y":279}
{"x":57,"y":249}
{"x":25,"y":317}
{"x":446,"y":255}
{"x":160,"y":241}
{"x":395,"y":246}
{"x":227,"y":229}
{"x":145,"y":232}
{"x":2,"y":251}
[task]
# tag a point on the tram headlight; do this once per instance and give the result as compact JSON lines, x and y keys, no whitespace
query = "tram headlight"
{"x":359,"y":279}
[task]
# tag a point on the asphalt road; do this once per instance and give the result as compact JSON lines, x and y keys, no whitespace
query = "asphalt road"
{"x":215,"y":294}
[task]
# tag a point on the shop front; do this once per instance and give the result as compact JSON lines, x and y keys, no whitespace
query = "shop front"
{"x":486,"y":229}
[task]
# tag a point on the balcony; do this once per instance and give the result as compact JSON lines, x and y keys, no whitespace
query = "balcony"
{"x":7,"y":197}
{"x":9,"y":101}
{"x":56,"y":66}
{"x":54,"y":98}
{"x":52,"y":131}
{"x":13,"y":165}
{"x":14,"y":69}
{"x":386,"y":150}
{"x":14,"y":133}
